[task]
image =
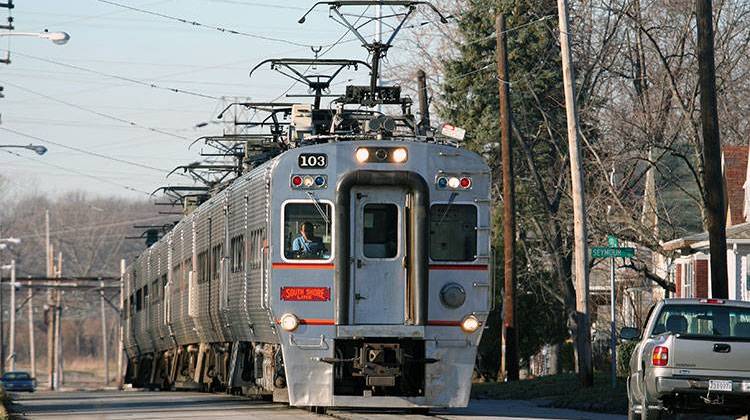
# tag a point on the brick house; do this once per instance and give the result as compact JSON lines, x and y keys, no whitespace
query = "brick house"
{"x":690,"y":270}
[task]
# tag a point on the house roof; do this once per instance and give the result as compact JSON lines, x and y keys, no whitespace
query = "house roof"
{"x":735,"y":234}
{"x":735,"y":174}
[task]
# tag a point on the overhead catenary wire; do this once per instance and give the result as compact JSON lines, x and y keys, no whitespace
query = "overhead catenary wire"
{"x":202,"y":25}
{"x":88,"y":152}
{"x":84,"y":174}
{"x":116,"y":76}
{"x":95,"y":112}
{"x":92,"y":227}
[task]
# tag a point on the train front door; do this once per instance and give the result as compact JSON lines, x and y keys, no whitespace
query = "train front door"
{"x":379,"y":255}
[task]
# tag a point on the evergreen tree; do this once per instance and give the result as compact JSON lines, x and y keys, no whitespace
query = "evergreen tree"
{"x":546,"y":296}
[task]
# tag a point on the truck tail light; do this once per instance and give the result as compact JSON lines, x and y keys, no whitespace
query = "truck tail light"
{"x":660,"y":356}
{"x":712,"y":301}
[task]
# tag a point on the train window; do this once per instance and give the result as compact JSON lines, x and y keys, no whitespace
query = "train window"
{"x":380,"y":231}
{"x":155,"y":290}
{"x":307,"y":231}
{"x":203,"y":269}
{"x":138,"y":300}
{"x":237,"y":246}
{"x":453,"y":232}
{"x":216,"y":261}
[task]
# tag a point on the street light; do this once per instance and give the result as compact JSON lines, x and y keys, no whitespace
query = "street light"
{"x":39,"y":149}
{"x":59,"y":38}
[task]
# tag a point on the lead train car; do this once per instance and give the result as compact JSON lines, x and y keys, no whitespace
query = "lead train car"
{"x":381,"y":305}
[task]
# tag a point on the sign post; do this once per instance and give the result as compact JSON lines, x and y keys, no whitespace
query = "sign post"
{"x":612,"y":251}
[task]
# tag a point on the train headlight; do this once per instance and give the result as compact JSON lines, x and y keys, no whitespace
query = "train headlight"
{"x":452,"y":295}
{"x":470,"y":324}
{"x":362,"y":155}
{"x":454,"y":182}
{"x":399,"y":155}
{"x":289,"y":322}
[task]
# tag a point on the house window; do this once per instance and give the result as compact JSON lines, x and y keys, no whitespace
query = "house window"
{"x":688,"y":280}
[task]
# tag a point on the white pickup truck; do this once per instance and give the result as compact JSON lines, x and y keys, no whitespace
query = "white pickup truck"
{"x":692,"y":356}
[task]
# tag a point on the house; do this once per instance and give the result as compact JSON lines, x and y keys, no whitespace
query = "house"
{"x":690,"y":269}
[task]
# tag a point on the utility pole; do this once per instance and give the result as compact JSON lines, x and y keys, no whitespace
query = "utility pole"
{"x":424,"y":106}
{"x":509,"y":364}
{"x":713,"y":197}
{"x":2,"y":324}
{"x":32,"y":350}
{"x":120,"y":375}
{"x":50,"y":313}
{"x":105,"y":352}
{"x":582,"y":329}
{"x":58,"y":330}
{"x":12,"y":307}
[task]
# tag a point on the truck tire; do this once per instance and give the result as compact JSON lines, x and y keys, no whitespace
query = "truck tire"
{"x":646,"y":413}
{"x":631,"y":412}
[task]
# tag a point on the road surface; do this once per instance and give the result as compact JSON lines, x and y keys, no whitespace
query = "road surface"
{"x":131,"y":405}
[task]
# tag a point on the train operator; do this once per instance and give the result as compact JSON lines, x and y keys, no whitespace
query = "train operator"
{"x":307,"y":244}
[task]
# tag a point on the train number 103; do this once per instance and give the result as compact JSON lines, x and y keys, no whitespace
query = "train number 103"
{"x":312,"y":160}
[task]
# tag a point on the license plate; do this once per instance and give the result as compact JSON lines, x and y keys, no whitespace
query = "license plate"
{"x":725,"y":386}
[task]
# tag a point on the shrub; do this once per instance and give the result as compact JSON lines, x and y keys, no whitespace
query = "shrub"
{"x":624,"y":351}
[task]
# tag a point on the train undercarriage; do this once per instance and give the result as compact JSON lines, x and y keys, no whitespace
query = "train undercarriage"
{"x":242,"y":368}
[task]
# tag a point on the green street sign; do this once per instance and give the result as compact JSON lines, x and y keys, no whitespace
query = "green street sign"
{"x":612,"y":241}
{"x":606,"y":252}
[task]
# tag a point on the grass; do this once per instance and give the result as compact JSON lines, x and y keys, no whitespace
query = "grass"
{"x":562,"y":391}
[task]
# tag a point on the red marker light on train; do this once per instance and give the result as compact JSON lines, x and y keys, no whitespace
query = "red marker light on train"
{"x":465,"y":182}
{"x":296,"y":180}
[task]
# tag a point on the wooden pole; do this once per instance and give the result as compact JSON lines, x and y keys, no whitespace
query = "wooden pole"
{"x":120,"y":373}
{"x":58,"y":329}
{"x":509,"y":364}
{"x":32,"y":350}
{"x":12,"y":308}
{"x":51,"y":313}
{"x":582,"y":329}
{"x":714,"y":201}
{"x":105,"y":352}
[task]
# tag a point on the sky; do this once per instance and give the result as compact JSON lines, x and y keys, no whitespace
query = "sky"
{"x":92,"y":94}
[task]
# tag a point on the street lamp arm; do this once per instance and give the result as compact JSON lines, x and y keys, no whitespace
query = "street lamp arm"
{"x":38,"y":149}
{"x":59,"y":38}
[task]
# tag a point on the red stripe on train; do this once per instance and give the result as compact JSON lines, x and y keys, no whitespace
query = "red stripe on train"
{"x":464,"y":267}
{"x":444,"y":323}
{"x":312,"y":321}
{"x":290,"y":266}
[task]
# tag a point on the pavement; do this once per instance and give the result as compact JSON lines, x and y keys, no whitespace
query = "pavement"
{"x":130,"y":405}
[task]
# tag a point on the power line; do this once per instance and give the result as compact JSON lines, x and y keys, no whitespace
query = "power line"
{"x":202,"y":25}
{"x":99,"y":155}
{"x":101,"y":114}
{"x":116,"y":76}
{"x":62,"y":168}
{"x":90,"y":227}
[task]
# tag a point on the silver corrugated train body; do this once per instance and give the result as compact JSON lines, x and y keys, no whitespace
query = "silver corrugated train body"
{"x":323,"y":277}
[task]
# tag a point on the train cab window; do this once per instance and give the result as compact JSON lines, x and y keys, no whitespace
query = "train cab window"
{"x":307,"y":231}
{"x":380,"y":231}
{"x":453,"y":232}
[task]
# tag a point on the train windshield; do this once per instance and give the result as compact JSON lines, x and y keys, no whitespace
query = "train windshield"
{"x":453,"y":232}
{"x":307,"y":231}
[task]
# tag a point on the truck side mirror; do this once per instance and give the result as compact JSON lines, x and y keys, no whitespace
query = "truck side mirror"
{"x":630,"y":333}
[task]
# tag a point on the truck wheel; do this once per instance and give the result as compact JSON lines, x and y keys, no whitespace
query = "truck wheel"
{"x":631,"y":412}
{"x":648,"y":414}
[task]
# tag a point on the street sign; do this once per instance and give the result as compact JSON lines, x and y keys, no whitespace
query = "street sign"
{"x":605,"y":252}
{"x":612,"y":241}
